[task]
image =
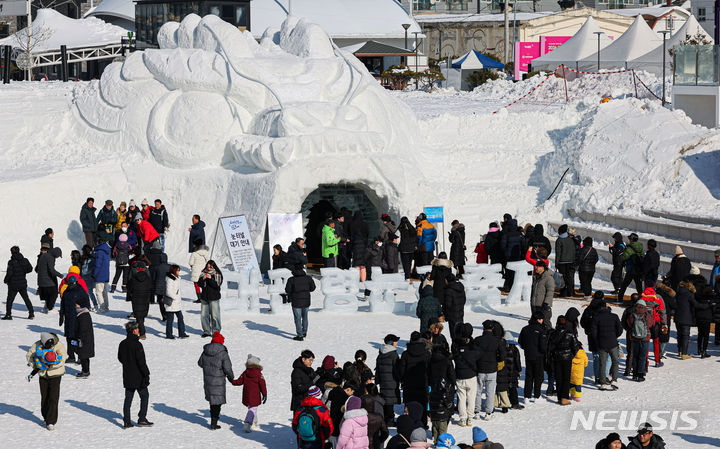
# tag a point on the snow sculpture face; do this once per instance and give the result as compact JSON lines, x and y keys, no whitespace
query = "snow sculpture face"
{"x":212,"y":95}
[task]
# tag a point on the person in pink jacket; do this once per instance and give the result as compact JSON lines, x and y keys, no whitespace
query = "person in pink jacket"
{"x":354,"y":429}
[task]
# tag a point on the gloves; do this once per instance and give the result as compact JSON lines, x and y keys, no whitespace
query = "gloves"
{"x":501,"y":365}
{"x":167,"y":228}
{"x":664,"y":330}
{"x":264,"y":399}
{"x":74,"y":342}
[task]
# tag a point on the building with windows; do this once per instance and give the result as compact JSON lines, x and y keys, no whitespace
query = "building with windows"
{"x":703,"y":10}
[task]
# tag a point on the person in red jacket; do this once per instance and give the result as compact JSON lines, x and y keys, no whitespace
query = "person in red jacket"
{"x":147,"y":233}
{"x":309,"y":406}
{"x":146,"y":209}
{"x":254,"y":391}
{"x":657,"y":305}
{"x":536,"y":253}
{"x":73,"y":272}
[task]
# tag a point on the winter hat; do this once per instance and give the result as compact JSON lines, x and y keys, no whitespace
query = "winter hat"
{"x":562,"y":229}
{"x":405,"y":425}
{"x":353,"y":403}
{"x":641,"y":302}
{"x":314,"y":392}
{"x":138,"y":217}
{"x":74,"y":270}
{"x":45,"y":336}
{"x":108,"y":202}
{"x":695,"y":271}
{"x":218,"y":338}
{"x":678,"y":250}
{"x":328,"y":362}
{"x":390,"y":339}
{"x":418,"y":436}
{"x":645,"y":428}
{"x":123,"y":237}
{"x":144,"y":202}
{"x":612,"y":437}
{"x":50,"y":356}
{"x":599,"y":294}
{"x":385,"y":217}
{"x":122,"y":203}
{"x":253,"y":360}
{"x":445,"y":440}
{"x":132,"y":203}
{"x":587,"y":241}
{"x":72,"y":280}
{"x":479,"y":435}
{"x":538,"y":315}
{"x":415,"y":336}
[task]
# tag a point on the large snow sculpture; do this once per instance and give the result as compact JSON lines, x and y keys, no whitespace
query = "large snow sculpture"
{"x":382,"y":291}
{"x":522,"y":284}
{"x":278,"y":280}
{"x":211,"y":94}
{"x":247,"y":298}
{"x":340,"y":288}
{"x":481,"y":286}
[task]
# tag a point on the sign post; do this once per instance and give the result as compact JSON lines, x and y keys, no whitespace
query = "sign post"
{"x":239,"y":242}
{"x":436,"y":215}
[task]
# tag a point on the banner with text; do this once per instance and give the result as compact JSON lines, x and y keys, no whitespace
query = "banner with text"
{"x":237,"y":236}
{"x":434,"y":214}
{"x":525,"y":52}
{"x":283,"y":229}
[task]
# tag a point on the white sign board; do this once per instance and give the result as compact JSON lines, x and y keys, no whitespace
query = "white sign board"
{"x":283,"y":229}
{"x":237,"y":236}
{"x":13,"y":8}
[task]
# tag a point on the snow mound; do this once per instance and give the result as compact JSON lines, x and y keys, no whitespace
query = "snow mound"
{"x":211,"y":95}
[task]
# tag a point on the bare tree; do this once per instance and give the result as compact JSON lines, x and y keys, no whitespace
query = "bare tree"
{"x":28,"y":39}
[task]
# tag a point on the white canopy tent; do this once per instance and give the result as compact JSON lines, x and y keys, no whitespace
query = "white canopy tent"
{"x":472,"y":61}
{"x":635,"y":42}
{"x":583,"y":44}
{"x":652,"y":60}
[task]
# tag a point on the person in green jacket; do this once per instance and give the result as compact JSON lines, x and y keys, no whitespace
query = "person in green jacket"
{"x":633,"y":258}
{"x":330,"y":242}
{"x":428,"y":307}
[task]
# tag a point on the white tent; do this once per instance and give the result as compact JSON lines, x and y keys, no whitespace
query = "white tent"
{"x":117,"y":12}
{"x":56,"y":29}
{"x":636,"y":41}
{"x":460,"y":68}
{"x":583,"y":44}
{"x":652,"y":60}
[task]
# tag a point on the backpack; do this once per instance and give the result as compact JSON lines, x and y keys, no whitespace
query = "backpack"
{"x":639,"y":327}
{"x":88,"y":267}
{"x":123,"y":257}
{"x":308,"y":426}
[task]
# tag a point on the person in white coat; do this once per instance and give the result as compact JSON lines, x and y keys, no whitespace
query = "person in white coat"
{"x":173,"y":303}
{"x":198,"y":261}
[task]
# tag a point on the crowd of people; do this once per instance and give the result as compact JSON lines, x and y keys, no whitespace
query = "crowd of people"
{"x":353,"y":406}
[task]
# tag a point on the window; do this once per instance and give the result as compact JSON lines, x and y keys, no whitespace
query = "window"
{"x":701,"y":15}
{"x":231,"y":13}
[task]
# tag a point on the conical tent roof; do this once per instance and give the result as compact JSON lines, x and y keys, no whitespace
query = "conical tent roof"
{"x":474,"y":60}
{"x":584,"y":43}
{"x":634,"y":42}
{"x":652,"y":60}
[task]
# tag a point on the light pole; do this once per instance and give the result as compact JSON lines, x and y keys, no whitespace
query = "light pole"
{"x":405,"y":27}
{"x":598,"y":35}
{"x":664,"y":33}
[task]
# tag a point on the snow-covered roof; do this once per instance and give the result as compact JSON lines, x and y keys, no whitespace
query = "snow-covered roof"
{"x":341,"y":19}
{"x":124,"y":9}
{"x":584,"y":43}
{"x":455,"y":18}
{"x":653,"y":11}
{"x":636,"y":41}
{"x":75,"y":33}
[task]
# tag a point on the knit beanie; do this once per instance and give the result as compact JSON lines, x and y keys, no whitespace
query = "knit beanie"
{"x":218,"y":338}
{"x":45,"y":336}
{"x":314,"y":392}
{"x":479,"y":435}
{"x":123,"y":237}
{"x":328,"y":362}
{"x":74,"y":270}
{"x":132,"y":203}
{"x":445,"y":440}
{"x":253,"y":360}
{"x":353,"y":403}
{"x":418,"y":435}
{"x":563,"y":229}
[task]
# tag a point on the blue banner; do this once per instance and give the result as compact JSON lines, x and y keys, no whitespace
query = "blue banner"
{"x":434,"y":214}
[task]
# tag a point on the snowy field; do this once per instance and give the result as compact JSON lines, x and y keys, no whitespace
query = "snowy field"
{"x":90,"y":409}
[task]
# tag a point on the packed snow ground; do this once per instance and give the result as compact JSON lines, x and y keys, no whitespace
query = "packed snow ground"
{"x":90,"y":409}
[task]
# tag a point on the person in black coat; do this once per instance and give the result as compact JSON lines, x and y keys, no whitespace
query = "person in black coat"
{"x":466,"y":357}
{"x":454,"y":307}
{"x":537,"y":239}
{"x":605,"y":331}
{"x":441,"y":269}
{"x":158,"y":273}
{"x":377,"y":430}
{"x":46,"y":239}
{"x":508,"y":377}
{"x":301,"y":378}
{"x":136,"y":375}
{"x":280,"y":258}
{"x":386,"y":376}
{"x":359,"y":234}
{"x":493,"y":246}
{"x":412,"y":371}
{"x":651,"y":263}
{"x":17,"y":269}
{"x":702,"y":304}
{"x":336,"y":400}
{"x":617,"y":248}
{"x":533,"y":341}
{"x":679,"y":268}
{"x":512,"y":242}
{"x":297,"y":255}
{"x":408,"y":245}
{"x":405,"y":427}
{"x":586,"y":322}
{"x":197,"y":232}
{"x":84,"y":337}
{"x":441,"y":380}
{"x":456,"y":236}
{"x":587,"y":258}
{"x":47,"y":276}
{"x":298,"y":289}
{"x":684,"y":298}
{"x":492,"y":351}
{"x":562,"y":346}
{"x":140,"y":292}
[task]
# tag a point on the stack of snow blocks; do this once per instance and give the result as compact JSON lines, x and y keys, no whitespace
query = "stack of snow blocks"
{"x":522,"y":285}
{"x":247,"y":299}
{"x":382,"y":291}
{"x":278,"y":280}
{"x":482,"y":283}
{"x":340,"y":288}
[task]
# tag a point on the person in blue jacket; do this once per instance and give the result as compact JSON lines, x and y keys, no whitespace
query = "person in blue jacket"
{"x":101,"y":273}
{"x":427,"y":234}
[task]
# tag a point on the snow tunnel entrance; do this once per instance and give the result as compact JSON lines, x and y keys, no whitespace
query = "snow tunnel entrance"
{"x":329,"y":199}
